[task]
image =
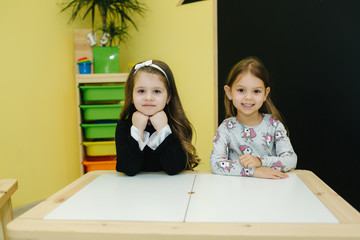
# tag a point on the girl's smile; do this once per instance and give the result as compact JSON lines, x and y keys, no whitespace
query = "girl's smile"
{"x":150,"y":94}
{"x":248,"y":105}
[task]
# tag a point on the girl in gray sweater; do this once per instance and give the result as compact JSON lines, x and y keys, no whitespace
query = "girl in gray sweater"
{"x":252,"y":140}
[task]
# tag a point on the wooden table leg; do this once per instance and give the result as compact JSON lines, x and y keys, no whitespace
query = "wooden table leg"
{"x":7,"y":189}
{"x":6,"y":216}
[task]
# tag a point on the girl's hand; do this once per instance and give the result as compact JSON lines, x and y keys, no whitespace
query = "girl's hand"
{"x":139,"y":120}
{"x":265,"y":172}
{"x":159,"y":120}
{"x":250,"y":161}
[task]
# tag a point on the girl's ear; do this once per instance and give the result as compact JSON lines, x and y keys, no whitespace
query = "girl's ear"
{"x":267,"y":91}
{"x":228,"y":92}
{"x":167,"y":102}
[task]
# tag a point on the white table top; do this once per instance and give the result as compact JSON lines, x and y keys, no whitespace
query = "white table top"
{"x":194,"y":198}
{"x":145,"y":197}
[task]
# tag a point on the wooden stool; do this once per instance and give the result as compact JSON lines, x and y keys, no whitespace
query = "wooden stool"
{"x":7,"y":188}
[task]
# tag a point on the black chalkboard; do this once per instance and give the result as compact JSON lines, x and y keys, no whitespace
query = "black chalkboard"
{"x":312,"y":51}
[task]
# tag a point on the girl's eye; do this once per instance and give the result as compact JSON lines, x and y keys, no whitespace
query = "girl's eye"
{"x":257,"y":91}
{"x":241,"y":90}
{"x":157,"y":91}
{"x":141,"y":91}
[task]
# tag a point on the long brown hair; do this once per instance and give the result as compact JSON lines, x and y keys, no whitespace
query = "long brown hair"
{"x":255,"y":66}
{"x":177,"y":120}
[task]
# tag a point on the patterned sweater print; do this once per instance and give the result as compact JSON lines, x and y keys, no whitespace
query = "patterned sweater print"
{"x":268,"y":141}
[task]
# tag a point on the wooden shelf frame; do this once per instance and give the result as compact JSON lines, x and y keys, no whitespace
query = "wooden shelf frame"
{"x":101,"y":78}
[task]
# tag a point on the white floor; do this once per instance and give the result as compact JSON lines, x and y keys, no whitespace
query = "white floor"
{"x":17,"y":212}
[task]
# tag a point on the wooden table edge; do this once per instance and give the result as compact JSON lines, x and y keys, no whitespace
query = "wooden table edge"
{"x":7,"y":188}
{"x":32,"y":220}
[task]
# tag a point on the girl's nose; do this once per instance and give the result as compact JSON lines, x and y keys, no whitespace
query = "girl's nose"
{"x":148,"y":96}
{"x":248,"y":96}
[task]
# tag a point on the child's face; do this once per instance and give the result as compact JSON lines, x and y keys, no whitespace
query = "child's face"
{"x":248,"y":94}
{"x":149,"y":95}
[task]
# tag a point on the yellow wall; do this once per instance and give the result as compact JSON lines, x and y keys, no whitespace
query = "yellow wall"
{"x":38,"y":125}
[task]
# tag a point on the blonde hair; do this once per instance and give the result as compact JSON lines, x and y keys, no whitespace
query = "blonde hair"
{"x":178,"y":122}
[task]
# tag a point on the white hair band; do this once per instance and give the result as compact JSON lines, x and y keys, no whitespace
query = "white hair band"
{"x":150,"y":64}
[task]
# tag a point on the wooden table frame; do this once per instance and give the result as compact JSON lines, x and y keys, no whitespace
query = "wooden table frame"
{"x":7,"y":188}
{"x":31,"y":225}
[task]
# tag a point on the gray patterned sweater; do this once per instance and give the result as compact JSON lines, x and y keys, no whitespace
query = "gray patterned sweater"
{"x":268,"y":141}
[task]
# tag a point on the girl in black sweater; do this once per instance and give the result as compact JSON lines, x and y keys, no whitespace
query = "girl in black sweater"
{"x":153,"y":133}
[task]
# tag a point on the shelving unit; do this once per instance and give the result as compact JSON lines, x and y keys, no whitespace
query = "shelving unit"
{"x":97,"y":148}
{"x":89,"y":139}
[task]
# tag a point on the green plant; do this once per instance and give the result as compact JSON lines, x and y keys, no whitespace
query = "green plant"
{"x":116,"y":32}
{"x":115,"y":15}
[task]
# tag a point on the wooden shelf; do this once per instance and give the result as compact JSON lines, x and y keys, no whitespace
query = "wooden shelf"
{"x":101,"y":77}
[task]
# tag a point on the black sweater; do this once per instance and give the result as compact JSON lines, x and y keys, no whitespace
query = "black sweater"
{"x":169,"y":155}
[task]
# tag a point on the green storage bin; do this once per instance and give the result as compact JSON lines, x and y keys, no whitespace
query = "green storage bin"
{"x":101,"y":112}
{"x":99,"y":130}
{"x":103,"y":93}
